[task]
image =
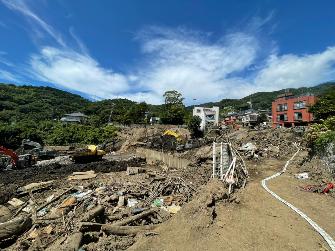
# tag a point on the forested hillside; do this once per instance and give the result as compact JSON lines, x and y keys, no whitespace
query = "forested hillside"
{"x":19,"y":103}
{"x":31,"y":103}
{"x":263,"y":100}
{"x":28,"y":112}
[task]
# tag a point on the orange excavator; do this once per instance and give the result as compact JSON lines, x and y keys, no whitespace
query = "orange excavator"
{"x":18,"y":162}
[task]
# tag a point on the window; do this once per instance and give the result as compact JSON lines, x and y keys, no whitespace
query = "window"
{"x":210,"y":117}
{"x":282,"y":117}
{"x":297,"y":116}
{"x":299,"y":105}
{"x":281,"y":107}
{"x":198,"y":110}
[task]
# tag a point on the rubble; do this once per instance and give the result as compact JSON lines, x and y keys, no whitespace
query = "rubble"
{"x":60,"y":160}
{"x":107,"y":204}
{"x":15,"y":202}
{"x":268,"y":143}
{"x":302,"y":176}
{"x":5,"y":214}
{"x":120,"y":201}
{"x":82,"y":175}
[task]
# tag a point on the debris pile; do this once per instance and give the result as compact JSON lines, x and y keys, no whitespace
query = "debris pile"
{"x":59,"y":169}
{"x":61,"y":160}
{"x":268,"y":143}
{"x":324,"y":188}
{"x":85,"y":208}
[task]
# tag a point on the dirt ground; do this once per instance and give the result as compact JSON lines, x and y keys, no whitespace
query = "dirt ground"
{"x":256,"y":222}
{"x":11,"y":180}
{"x":250,"y":219}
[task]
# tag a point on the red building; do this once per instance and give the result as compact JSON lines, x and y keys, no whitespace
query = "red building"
{"x":290,"y":111}
{"x":229,"y":120}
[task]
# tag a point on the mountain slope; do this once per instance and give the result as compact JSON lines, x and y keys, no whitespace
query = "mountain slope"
{"x":19,"y":103}
{"x":263,"y":100}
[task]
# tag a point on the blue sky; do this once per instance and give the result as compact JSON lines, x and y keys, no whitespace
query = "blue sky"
{"x":207,"y":50}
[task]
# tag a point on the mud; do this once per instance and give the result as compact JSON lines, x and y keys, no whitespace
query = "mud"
{"x":11,"y":180}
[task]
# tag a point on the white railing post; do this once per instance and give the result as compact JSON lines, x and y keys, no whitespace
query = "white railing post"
{"x":214,"y":159}
{"x":221,"y":161}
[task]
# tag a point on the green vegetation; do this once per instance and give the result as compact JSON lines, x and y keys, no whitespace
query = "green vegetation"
{"x":321,"y":135}
{"x":28,"y":112}
{"x":173,"y":111}
{"x":119,"y":111}
{"x":262,"y":118}
{"x":64,"y":134}
{"x":325,"y":107}
{"x":263,"y":100}
{"x":54,"y":133}
{"x":18,"y":103}
{"x":193,"y":126}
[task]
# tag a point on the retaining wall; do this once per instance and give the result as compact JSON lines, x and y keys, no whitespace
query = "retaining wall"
{"x":152,"y":156}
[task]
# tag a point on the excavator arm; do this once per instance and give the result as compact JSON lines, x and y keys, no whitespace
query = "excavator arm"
{"x":11,"y":154}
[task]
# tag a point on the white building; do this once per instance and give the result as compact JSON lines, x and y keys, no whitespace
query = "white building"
{"x":76,"y":117}
{"x":249,"y":117}
{"x":209,"y":116}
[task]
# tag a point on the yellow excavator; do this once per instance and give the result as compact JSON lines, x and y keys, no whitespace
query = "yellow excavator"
{"x":88,"y":154}
{"x":173,"y":140}
{"x":174,"y":134}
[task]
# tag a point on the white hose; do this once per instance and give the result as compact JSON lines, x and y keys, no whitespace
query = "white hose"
{"x":322,"y":232}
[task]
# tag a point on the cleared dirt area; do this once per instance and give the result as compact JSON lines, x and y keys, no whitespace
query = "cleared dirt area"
{"x":257,"y":222}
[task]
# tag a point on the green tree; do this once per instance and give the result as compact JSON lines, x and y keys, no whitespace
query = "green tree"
{"x":320,"y":136}
{"x":174,"y":110}
{"x":136,"y":113}
{"x":193,"y":126}
{"x":173,"y":98}
{"x":262,"y":118}
{"x":325,"y":106}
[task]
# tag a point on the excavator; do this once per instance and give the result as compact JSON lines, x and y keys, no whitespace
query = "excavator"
{"x":174,"y":139}
{"x":88,"y":154}
{"x":17,"y":161}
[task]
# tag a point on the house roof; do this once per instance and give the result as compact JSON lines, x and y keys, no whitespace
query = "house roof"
{"x":70,"y":119}
{"x":76,"y":114}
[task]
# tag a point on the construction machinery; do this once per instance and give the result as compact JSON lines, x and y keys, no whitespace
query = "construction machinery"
{"x":88,"y":154}
{"x":16,"y":161}
{"x":173,"y":140}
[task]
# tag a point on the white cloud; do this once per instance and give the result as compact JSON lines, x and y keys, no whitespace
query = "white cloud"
{"x":82,"y":47}
{"x":8,"y":76}
{"x":196,"y":67}
{"x":294,"y":71}
{"x":78,"y":72}
{"x":233,"y":66}
{"x":37,"y":23}
{"x":5,"y":61}
{"x":230,"y":68}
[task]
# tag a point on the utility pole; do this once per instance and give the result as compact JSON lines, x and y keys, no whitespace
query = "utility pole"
{"x":110,"y":115}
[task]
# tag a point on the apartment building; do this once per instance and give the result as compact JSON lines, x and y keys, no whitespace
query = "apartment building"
{"x":289,"y":110}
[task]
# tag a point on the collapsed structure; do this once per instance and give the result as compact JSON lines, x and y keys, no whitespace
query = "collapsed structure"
{"x":209,"y":116}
